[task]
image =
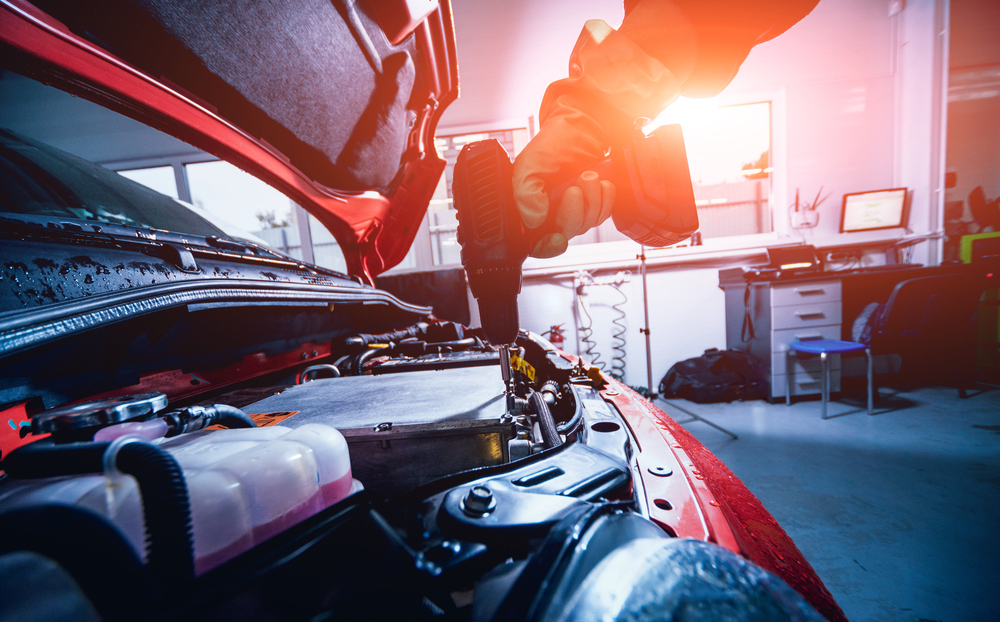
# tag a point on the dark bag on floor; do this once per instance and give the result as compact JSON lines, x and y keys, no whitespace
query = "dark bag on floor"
{"x":715,"y":376}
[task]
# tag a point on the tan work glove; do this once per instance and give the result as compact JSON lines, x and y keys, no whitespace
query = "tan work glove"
{"x":612,"y":82}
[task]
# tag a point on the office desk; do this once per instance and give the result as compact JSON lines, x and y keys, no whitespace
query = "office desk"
{"x":764,"y":316}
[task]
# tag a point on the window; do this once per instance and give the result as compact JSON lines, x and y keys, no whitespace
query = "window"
{"x":238,"y":197}
{"x":728,"y":150}
{"x":438,"y":238}
{"x":159,"y":178}
{"x":325,"y":248}
{"x":235,"y":202}
{"x":262,"y":213}
{"x":245,"y":207}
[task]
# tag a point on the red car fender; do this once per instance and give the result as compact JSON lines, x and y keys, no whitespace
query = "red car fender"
{"x":708,"y":502}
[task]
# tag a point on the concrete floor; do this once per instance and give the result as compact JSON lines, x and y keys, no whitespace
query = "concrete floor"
{"x":899,"y":513}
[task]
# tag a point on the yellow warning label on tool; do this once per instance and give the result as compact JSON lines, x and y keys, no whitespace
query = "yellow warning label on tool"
{"x":523,"y":366}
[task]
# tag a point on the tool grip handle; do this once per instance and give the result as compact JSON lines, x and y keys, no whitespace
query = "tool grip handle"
{"x":604,"y":170}
{"x":654,"y":198}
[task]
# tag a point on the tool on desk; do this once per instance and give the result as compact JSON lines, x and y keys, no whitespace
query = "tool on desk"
{"x":785,"y":262}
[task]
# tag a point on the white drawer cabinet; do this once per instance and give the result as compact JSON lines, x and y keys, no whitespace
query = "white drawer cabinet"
{"x":805,"y":314}
{"x":774,"y":315}
{"x":794,"y":294}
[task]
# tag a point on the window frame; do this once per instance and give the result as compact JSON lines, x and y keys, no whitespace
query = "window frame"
{"x":176,"y":161}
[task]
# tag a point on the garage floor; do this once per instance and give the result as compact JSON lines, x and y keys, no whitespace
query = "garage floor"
{"x":899,"y":513}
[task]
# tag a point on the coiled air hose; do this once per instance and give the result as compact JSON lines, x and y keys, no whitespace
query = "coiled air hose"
{"x":618,"y":336}
{"x":165,"y":503}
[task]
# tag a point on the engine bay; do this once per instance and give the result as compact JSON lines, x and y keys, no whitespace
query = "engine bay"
{"x":407,"y":429}
{"x":403,"y":463}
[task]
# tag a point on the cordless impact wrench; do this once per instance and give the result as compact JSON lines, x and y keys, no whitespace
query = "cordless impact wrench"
{"x":654,"y":205}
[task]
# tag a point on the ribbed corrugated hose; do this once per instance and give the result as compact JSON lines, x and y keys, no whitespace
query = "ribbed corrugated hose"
{"x":550,"y":436}
{"x":358,"y":364}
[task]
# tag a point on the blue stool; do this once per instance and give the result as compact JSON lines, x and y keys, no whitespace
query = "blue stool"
{"x":824,"y":348}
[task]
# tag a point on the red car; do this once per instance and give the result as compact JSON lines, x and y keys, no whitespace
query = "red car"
{"x":364,"y":459}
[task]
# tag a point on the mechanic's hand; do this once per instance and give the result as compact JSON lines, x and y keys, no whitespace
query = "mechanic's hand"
{"x":612,"y":81}
{"x":583,"y":206}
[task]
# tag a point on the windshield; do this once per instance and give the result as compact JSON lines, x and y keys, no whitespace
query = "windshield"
{"x":39,"y":180}
{"x":64,"y":157}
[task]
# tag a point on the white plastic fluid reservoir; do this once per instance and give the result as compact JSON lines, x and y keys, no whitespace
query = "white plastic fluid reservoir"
{"x":220,"y":518}
{"x":280,"y":481}
{"x":255,"y":483}
{"x":244,"y":485}
{"x":332,"y":458}
{"x":116,"y":500}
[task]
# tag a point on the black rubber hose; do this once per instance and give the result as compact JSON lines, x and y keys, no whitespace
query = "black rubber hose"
{"x":166,"y":509}
{"x":45,"y":459}
{"x":165,"y":503}
{"x":416,"y":330}
{"x":550,"y":436}
{"x":436,"y":332}
{"x":574,"y":422}
{"x":457,"y":345}
{"x":91,"y":550}
{"x":232,"y":417}
{"x":361,"y":359}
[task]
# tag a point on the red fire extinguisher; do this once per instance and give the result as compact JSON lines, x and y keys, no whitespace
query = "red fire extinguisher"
{"x":556,"y":335}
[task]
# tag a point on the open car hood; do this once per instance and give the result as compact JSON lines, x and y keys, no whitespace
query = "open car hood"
{"x":334,"y":104}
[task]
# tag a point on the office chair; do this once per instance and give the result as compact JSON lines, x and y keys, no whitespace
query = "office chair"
{"x":930,"y":322}
{"x":984,"y":213}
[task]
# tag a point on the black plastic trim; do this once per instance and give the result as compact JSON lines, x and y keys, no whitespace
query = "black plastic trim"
{"x":26,"y":329}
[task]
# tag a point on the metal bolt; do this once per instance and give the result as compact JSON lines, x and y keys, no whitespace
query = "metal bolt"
{"x":661,"y":471}
{"x":479,"y":501}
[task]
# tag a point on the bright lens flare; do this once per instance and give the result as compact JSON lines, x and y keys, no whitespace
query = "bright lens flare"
{"x":687,"y":112}
{"x":720,"y":140}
